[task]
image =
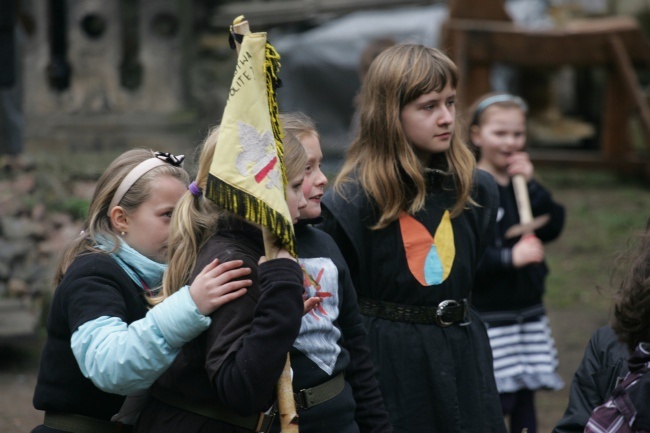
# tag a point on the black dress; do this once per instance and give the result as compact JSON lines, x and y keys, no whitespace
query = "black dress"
{"x":433,"y":378}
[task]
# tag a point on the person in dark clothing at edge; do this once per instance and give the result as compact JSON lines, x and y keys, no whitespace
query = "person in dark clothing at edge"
{"x":604,"y":363}
{"x":627,"y":409}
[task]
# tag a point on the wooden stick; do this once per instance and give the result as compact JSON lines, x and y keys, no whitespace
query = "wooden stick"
{"x":286,"y":402}
{"x":522,"y":198}
{"x":527,"y":224}
{"x":626,"y":70}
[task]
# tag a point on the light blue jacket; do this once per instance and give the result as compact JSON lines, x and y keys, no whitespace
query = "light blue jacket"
{"x":122,"y":359}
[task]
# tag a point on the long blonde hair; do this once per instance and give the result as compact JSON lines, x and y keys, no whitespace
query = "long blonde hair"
{"x":98,"y":223}
{"x":196,"y":218}
{"x":295,"y":156}
{"x":298,"y":124}
{"x":381,"y":156}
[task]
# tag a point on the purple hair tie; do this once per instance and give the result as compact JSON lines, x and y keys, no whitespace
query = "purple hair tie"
{"x":195,"y":190}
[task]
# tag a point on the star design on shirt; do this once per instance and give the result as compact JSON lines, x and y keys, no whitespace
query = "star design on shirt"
{"x":310,"y":282}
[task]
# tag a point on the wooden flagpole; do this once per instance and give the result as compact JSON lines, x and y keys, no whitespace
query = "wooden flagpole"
{"x":286,"y":402}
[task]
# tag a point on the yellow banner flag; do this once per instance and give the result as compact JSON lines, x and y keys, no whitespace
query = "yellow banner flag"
{"x":247,"y":174}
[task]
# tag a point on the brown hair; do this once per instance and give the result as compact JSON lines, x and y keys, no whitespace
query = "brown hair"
{"x":98,"y":223}
{"x":632,"y":304}
{"x":298,"y":124}
{"x":381,"y":155}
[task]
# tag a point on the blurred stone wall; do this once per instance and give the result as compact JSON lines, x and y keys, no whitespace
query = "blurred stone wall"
{"x":108,"y":75}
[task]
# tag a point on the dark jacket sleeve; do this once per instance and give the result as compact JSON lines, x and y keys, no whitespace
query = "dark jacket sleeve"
{"x":371,"y":415}
{"x":498,"y":257}
{"x":486,"y":195}
{"x":246,"y":378}
{"x":331,"y":226}
{"x":541,"y":203}
{"x":603,"y":362}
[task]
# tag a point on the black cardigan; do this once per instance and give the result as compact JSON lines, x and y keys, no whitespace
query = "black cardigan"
{"x":498,"y":285}
{"x":238,"y":360}
{"x":93,"y":286}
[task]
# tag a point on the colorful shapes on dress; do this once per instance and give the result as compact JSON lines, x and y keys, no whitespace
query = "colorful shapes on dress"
{"x":430,"y":259}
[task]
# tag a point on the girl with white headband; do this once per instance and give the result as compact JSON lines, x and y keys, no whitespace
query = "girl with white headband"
{"x":509,"y":283}
{"x":104,"y":342}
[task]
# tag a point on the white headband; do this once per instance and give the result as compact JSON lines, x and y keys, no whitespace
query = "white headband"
{"x":139,"y":171}
{"x":495,"y":99}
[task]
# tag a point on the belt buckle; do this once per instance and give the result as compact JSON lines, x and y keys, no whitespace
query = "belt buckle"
{"x":301,"y":399}
{"x":441,"y":310}
{"x":265,"y":421}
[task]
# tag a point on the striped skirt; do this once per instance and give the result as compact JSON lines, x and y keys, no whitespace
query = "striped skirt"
{"x":523,"y":349}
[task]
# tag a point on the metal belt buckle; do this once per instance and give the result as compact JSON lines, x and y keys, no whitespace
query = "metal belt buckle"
{"x":264,"y":424}
{"x":301,"y":399}
{"x":441,"y":311}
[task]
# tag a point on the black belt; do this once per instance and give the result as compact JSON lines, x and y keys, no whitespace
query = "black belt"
{"x":446,"y":313}
{"x":258,"y":423}
{"x":305,"y":399}
{"x":310,"y":397}
{"x":503,"y":318}
{"x":73,"y":423}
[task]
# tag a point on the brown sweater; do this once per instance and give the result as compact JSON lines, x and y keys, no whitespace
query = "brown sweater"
{"x":239,"y":359}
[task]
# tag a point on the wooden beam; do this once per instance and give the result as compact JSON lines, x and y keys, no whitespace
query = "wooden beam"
{"x":576,"y":44}
{"x":492,"y":10}
{"x":630,"y":82}
{"x":271,"y":13}
{"x":615,"y":140}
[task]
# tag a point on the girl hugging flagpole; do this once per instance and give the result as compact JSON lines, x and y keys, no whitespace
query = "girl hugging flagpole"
{"x":247,"y":174}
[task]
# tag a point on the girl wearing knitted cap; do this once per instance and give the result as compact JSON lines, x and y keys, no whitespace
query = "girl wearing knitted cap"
{"x":103,"y":342}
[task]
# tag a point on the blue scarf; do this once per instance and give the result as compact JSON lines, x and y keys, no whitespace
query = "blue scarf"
{"x":138,"y":267}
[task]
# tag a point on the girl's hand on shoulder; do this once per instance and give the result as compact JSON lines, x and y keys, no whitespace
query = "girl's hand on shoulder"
{"x":519,"y":163}
{"x":527,"y":251}
{"x":218,"y":284}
